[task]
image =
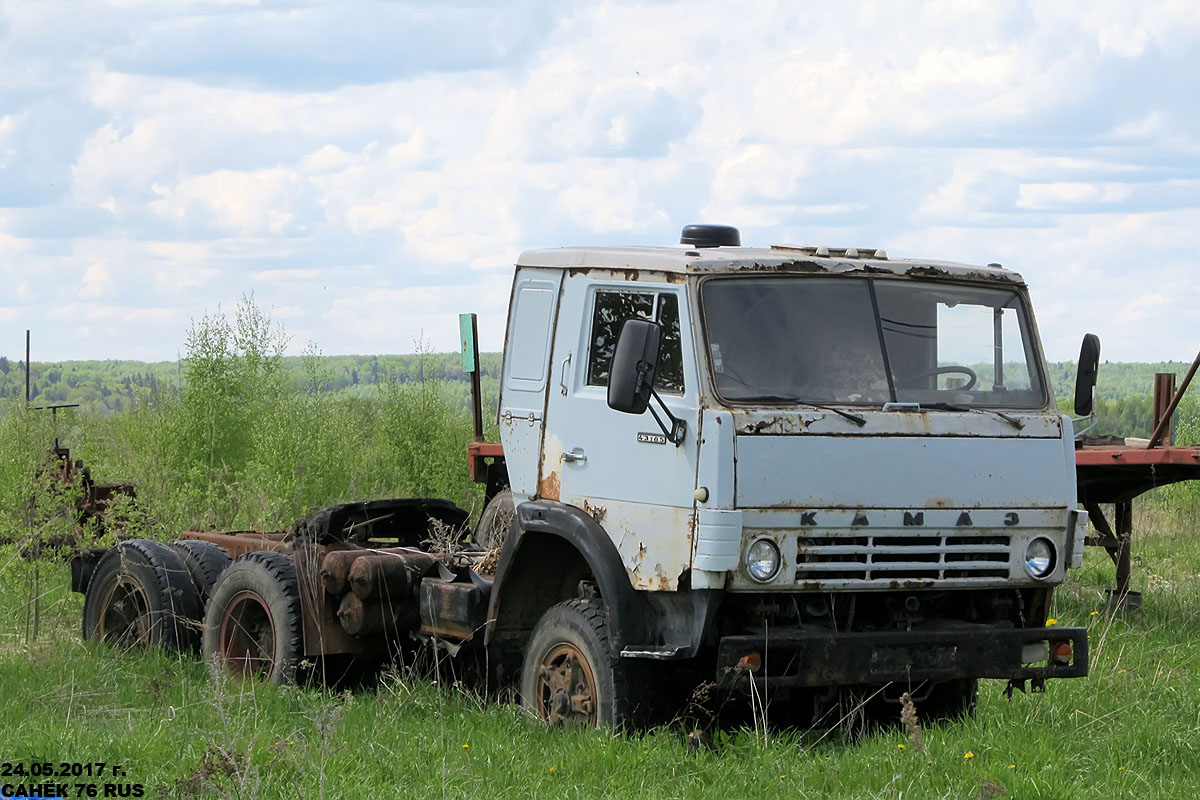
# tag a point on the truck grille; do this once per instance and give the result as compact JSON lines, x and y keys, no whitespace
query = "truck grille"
{"x":899,"y":555}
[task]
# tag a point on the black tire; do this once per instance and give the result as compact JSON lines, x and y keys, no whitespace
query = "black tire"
{"x":205,"y":562}
{"x":141,"y":595}
{"x":570,"y":675}
{"x":252,"y":625}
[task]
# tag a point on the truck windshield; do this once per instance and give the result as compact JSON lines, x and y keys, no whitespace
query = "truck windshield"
{"x":869,"y":341}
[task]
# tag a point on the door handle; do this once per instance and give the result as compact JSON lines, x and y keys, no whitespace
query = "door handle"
{"x":562,"y":375}
{"x":576,"y":456}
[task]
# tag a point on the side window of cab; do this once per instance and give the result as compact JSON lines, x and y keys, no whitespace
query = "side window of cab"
{"x":610,"y":309}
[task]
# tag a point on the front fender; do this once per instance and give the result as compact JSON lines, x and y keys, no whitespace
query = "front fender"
{"x":549,"y":545}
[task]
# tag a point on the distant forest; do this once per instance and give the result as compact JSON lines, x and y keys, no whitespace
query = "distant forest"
{"x":112,"y":386}
{"x":107,"y":387}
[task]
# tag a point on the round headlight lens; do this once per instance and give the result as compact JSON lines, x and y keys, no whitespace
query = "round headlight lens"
{"x":762,"y":560}
{"x":1039,"y":558}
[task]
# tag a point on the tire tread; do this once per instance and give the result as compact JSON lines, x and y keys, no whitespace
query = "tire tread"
{"x":177,"y":603}
{"x":280,"y":570}
{"x":205,"y":562}
{"x":624,"y":708}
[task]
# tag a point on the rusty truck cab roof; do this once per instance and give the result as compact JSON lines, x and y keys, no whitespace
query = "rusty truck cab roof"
{"x":777,"y":258}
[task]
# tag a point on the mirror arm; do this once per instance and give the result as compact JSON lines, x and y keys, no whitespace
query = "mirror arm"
{"x":1093,"y":417}
{"x":678,"y":426}
{"x":1090,"y":418}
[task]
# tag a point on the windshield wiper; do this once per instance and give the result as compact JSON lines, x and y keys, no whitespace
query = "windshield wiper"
{"x":779,"y":398}
{"x":1016,"y":423}
{"x":946,"y":406}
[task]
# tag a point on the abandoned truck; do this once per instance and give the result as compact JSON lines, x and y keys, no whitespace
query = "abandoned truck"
{"x":798,"y":471}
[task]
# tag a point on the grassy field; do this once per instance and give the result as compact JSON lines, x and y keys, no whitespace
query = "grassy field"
{"x":1131,"y":729}
{"x":241,"y":445}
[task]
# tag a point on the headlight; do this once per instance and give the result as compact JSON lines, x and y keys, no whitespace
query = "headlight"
{"x":1039,"y":558}
{"x":762,"y":560}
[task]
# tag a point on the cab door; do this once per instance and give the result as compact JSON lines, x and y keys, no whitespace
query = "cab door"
{"x":619,"y":468}
{"x":526,"y":373}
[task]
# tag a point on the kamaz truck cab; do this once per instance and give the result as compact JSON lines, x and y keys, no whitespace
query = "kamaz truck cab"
{"x":804,"y":468}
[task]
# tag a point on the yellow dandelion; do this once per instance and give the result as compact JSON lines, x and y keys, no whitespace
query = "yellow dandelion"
{"x":900,"y":746}
{"x":466,"y":747}
{"x":1120,"y":768}
{"x":968,"y":754}
{"x":1052,"y":621}
{"x":1012,"y":766}
{"x":291,"y":741}
{"x":1094,"y":613}
{"x":551,"y":769}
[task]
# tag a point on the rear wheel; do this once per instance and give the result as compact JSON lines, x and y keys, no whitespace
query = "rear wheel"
{"x":570,"y":676}
{"x":205,"y":562}
{"x":252,"y":627}
{"x":141,"y":595}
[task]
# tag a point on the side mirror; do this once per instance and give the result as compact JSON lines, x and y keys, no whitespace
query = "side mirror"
{"x":1085,"y":376}
{"x":634,"y":363}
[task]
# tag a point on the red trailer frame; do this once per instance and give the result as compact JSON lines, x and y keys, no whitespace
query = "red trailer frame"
{"x":1117,"y":474}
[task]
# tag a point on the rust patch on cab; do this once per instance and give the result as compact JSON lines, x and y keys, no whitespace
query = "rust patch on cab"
{"x":548,"y":487}
{"x":596,"y":512}
{"x":777,"y":424}
{"x":659,"y":582}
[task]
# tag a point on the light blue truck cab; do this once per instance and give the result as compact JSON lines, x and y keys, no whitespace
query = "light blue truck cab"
{"x":843,"y":471}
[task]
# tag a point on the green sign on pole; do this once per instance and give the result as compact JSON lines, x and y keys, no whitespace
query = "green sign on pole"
{"x":466,"y":335}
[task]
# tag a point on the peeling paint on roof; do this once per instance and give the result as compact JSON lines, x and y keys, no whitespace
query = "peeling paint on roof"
{"x":715,"y":260}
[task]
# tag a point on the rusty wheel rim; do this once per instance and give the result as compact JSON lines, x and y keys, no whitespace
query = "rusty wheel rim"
{"x":246,"y":638}
{"x":126,"y":617}
{"x":566,"y":687}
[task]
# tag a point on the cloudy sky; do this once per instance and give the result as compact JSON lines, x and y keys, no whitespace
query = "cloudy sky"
{"x":369,"y":170}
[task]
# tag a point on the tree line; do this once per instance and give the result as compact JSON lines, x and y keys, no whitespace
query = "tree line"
{"x":1124,"y":403}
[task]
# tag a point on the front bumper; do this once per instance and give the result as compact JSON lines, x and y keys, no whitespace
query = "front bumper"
{"x":825,"y":658}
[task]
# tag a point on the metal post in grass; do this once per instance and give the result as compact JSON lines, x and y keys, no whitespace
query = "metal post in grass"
{"x":468,"y":329}
{"x":33,"y":602}
{"x":34,"y":606}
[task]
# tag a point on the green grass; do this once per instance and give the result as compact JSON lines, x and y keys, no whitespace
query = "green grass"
{"x":1130,"y":729}
{"x":241,"y":445}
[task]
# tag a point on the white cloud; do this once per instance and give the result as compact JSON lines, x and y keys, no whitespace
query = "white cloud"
{"x":255,"y":203}
{"x":962,"y":197}
{"x":8,"y":124}
{"x":1052,"y":195}
{"x":369,"y":320}
{"x":286,"y":275}
{"x":369,"y":171}
{"x":182,"y":279}
{"x":610,"y":199}
{"x":97,"y":282}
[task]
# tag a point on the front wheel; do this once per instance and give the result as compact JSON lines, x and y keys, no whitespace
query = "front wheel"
{"x":252,"y":627}
{"x":570,"y":675}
